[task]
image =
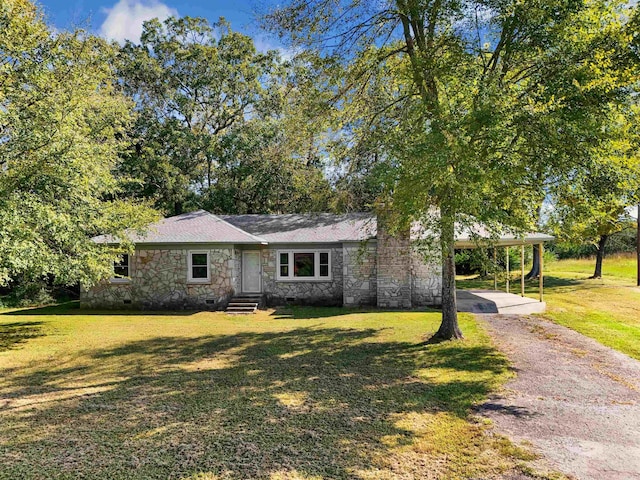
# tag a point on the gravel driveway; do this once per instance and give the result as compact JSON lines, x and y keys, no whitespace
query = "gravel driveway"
{"x":575,"y":400}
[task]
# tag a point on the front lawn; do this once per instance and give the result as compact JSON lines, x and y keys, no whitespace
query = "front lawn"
{"x":606,"y":309}
{"x":304,"y":394}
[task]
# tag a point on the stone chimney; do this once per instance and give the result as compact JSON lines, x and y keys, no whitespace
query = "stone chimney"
{"x":393,"y":263}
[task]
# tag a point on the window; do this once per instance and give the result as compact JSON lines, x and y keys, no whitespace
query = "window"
{"x":284,"y":264}
{"x":304,"y":265}
{"x":121,"y":269}
{"x":199,"y":267}
{"x":324,"y":264}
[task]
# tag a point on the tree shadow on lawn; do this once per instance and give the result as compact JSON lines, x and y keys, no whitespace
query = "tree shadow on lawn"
{"x":73,"y":308}
{"x":316,"y":401}
{"x":14,"y":334}
{"x":293,"y":312}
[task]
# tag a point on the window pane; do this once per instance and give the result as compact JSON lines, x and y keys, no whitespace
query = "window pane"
{"x":199,"y":272}
{"x":303,"y":264}
{"x":198,"y":259}
{"x":121,"y":268}
{"x":284,"y":264}
{"x":324,"y":270}
{"x":324,"y":258}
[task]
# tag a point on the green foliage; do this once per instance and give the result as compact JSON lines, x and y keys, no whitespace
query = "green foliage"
{"x":211,"y":125}
{"x":257,"y":174}
{"x":61,"y":118}
{"x":594,"y":203}
{"x":30,"y":294}
{"x":620,"y":242}
{"x":473,"y":261}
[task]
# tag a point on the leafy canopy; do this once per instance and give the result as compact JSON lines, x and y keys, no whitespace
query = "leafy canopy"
{"x":61,"y":118}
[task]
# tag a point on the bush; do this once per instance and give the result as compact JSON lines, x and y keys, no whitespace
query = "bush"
{"x":479,"y":261}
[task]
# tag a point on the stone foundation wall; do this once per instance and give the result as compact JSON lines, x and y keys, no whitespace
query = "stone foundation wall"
{"x":426,"y":280}
{"x":158,"y":280}
{"x":359,"y":274}
{"x":302,"y":292}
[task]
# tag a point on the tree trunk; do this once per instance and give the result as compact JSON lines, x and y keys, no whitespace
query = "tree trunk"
{"x":449,"y":328}
{"x":177,"y":208}
{"x":535,"y":268}
{"x":599,"y":256}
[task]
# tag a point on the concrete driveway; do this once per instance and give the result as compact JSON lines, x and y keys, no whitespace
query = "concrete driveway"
{"x":576,"y":401}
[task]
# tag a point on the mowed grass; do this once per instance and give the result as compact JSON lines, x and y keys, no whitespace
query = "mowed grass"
{"x":298,"y":394}
{"x":606,"y":309}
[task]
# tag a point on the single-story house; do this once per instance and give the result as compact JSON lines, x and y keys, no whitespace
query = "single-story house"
{"x":200,"y":260}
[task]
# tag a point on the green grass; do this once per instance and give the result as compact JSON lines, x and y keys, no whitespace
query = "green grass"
{"x":615,"y":267}
{"x":298,"y":394}
{"x":606,"y":309}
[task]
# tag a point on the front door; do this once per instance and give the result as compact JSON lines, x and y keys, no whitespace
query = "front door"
{"x":251,"y":272}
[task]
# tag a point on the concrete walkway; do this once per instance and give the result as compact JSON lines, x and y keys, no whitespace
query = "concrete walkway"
{"x":492,"y":301}
{"x":575,"y":400}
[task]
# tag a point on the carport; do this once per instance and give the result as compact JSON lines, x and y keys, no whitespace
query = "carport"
{"x":496,"y":301}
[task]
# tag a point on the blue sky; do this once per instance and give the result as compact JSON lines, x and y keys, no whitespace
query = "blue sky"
{"x":120,"y":19}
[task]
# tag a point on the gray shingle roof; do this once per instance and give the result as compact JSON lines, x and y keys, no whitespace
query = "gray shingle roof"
{"x":307,"y":228}
{"x":204,"y":227}
{"x":193,"y":227}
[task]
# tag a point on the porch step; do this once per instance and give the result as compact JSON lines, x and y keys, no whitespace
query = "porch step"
{"x":243,"y":304}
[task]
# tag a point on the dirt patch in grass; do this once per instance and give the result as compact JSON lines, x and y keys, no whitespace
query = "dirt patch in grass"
{"x":307,"y":394}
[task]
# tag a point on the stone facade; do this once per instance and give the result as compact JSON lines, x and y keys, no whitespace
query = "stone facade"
{"x":393,"y":260}
{"x":316,"y":292}
{"x":426,"y":280}
{"x":237,"y":270}
{"x":386,"y":272}
{"x":359,"y":274}
{"x":158,"y":280}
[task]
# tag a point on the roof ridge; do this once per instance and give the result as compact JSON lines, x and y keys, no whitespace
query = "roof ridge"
{"x":372,"y":214}
{"x":255,"y":237}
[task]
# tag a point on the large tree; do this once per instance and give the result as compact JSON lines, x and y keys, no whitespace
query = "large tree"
{"x":61,"y":120}
{"x":259,"y":171}
{"x":593,"y":204}
{"x":212,"y":126}
{"x":460,"y":92}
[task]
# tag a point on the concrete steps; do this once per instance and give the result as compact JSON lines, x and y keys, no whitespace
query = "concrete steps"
{"x":243,"y":304}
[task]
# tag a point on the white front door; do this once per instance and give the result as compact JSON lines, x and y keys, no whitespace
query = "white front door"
{"x":251,"y":272}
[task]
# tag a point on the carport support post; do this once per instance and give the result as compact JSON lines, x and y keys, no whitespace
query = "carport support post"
{"x":522,"y":270}
{"x":495,"y":269}
{"x":541,"y":287}
{"x":507,"y":260}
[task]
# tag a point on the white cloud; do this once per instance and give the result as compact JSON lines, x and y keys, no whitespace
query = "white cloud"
{"x":264,"y":44}
{"x":124,"y":20}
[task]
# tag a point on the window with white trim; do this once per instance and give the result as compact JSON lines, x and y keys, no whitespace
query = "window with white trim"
{"x":300,"y":265}
{"x":199,"y":270}
{"x":122,"y":269}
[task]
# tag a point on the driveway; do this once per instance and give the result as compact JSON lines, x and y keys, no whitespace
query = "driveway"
{"x":576,"y":401}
